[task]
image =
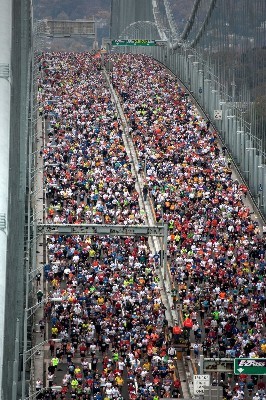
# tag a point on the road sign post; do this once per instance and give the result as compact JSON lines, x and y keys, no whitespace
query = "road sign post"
{"x":250,"y":366}
{"x":218,"y":114}
{"x":217,"y":365}
{"x":199,"y":383}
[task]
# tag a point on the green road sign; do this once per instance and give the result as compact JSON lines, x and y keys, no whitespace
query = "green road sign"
{"x":250,"y":366}
{"x":134,"y":42}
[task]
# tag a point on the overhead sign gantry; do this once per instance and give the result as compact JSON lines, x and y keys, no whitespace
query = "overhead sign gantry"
{"x":66,"y":28}
{"x":110,"y":230}
{"x":103,"y":229}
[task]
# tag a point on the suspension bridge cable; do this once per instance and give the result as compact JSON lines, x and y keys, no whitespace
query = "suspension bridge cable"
{"x":191,"y":20}
{"x":204,"y":25}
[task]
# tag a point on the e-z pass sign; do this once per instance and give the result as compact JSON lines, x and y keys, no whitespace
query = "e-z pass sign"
{"x":250,"y":366}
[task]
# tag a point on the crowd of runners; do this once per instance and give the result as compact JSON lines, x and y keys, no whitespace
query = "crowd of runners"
{"x":216,"y":251}
{"x":109,"y":317}
{"x":108,"y":324}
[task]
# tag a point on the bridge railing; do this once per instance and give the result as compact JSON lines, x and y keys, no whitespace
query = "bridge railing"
{"x":227,"y":115}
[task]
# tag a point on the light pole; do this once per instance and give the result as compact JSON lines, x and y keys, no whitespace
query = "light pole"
{"x":15,"y":363}
{"x":165,"y":233}
{"x":228,"y":140}
{"x":262,"y":186}
{"x":145,"y":165}
{"x":250,"y":164}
